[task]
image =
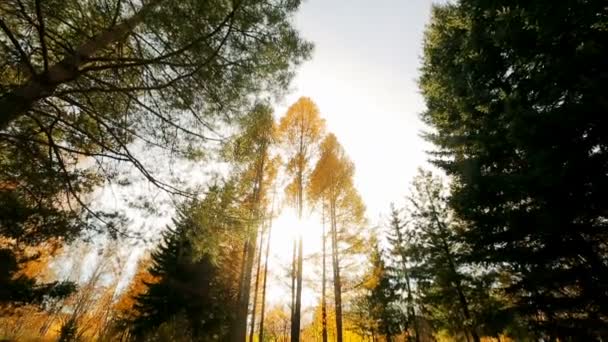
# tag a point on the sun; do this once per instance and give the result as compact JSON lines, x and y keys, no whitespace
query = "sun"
{"x":286,"y":227}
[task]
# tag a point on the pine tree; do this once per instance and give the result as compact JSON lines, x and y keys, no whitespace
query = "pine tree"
{"x":400,"y":269}
{"x":376,"y":309}
{"x":515,"y":93}
{"x":194,"y":273}
{"x":437,"y":257}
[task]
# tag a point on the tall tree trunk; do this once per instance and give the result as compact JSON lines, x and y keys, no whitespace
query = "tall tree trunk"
{"x":239,"y":330}
{"x":293,"y":284}
{"x":295,"y":324}
{"x":255,"y":289}
{"x":262,"y":314}
{"x":336,"y":269}
{"x":18,"y":101}
{"x":323,"y":281}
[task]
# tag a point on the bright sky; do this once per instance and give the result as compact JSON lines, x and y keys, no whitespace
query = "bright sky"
{"x":363,"y":78}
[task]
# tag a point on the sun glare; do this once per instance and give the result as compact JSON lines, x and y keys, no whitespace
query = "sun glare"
{"x":287,"y":227}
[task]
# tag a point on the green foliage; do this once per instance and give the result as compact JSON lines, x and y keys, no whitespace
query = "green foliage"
{"x":107,"y":73}
{"x":195,"y":271}
{"x":376,"y":311}
{"x":515,"y":94}
{"x":400,"y":249}
{"x":429,"y":266}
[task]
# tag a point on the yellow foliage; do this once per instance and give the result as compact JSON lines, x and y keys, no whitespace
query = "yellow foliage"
{"x":126,"y":302}
{"x":299,"y":131}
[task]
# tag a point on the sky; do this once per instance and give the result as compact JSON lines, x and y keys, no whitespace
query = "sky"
{"x":363,"y":77}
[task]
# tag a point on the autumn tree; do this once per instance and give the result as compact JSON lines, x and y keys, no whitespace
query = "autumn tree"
{"x":278,"y":326}
{"x":265,"y":277}
{"x":255,"y":170}
{"x":331,"y":184}
{"x":300,"y":131}
{"x":515,"y":93}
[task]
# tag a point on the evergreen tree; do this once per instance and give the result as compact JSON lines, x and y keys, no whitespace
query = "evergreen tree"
{"x":515,"y":91}
{"x":437,"y":254}
{"x":183,"y":286}
{"x":194,"y":267}
{"x":400,"y":269}
{"x":376,"y":309}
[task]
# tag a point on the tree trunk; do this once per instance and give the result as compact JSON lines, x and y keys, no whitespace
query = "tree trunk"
{"x":262,"y":313}
{"x":323,"y":281}
{"x":255,"y":289}
{"x":21,"y":99}
{"x":461,"y":297}
{"x":293,"y":284}
{"x":336,"y":269}
{"x":239,"y":331}
{"x":296,"y":324}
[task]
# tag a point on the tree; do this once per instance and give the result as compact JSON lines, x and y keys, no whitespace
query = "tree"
{"x":255,"y":171}
{"x":438,"y":255}
{"x":300,"y":131}
{"x":376,"y":309}
{"x":104,"y":80}
{"x":265,"y":278}
{"x":331,"y":183}
{"x":400,"y":270}
{"x":515,"y":94}
{"x":195,"y":271}
{"x":277,"y":328}
{"x":37,"y":215}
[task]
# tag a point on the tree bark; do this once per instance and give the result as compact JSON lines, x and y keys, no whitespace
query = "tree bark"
{"x":17,"y":102}
{"x":295,"y":324}
{"x":336,"y":269}
{"x":239,"y":330}
{"x":255,"y":289}
{"x":262,"y":314}
{"x":293,"y":284}
{"x":323,"y":300}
